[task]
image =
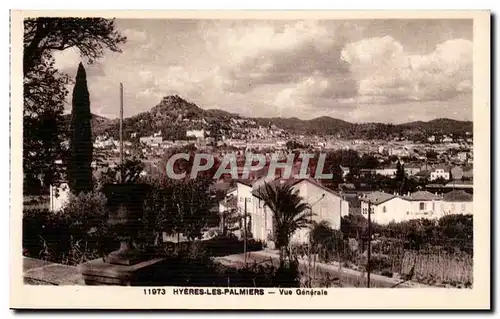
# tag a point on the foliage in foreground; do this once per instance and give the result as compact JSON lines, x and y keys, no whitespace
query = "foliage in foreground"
{"x":451,"y":233}
{"x":191,"y":265}
{"x":76,"y":234}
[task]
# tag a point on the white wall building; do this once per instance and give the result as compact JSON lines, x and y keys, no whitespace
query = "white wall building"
{"x":325,"y":205}
{"x":151,"y":140}
{"x":386,"y":208}
{"x":59,"y":196}
{"x":457,"y":202}
{"x":196,"y":133}
{"x":440,"y":173}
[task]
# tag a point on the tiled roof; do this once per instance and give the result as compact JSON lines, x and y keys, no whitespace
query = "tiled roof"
{"x":421,"y":196}
{"x":292,"y":182}
{"x":247,"y":182}
{"x":377,"y":198}
{"x":457,"y":196}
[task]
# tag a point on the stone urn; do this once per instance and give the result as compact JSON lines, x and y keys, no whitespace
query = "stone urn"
{"x":125,"y":204}
{"x":126,"y":266}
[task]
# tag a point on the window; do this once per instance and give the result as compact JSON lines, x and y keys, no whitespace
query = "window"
{"x":384,"y":209}
{"x":422,"y":206}
{"x":433,"y":206}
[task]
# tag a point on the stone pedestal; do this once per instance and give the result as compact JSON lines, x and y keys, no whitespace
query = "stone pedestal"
{"x":99,"y":272}
{"x":126,"y":266}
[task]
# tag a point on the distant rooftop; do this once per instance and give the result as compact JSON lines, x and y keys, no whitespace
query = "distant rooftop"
{"x":377,"y":197}
{"x":458,"y":196}
{"x":421,"y":196}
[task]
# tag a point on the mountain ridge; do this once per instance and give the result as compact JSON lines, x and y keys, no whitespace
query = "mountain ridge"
{"x":174,"y":115}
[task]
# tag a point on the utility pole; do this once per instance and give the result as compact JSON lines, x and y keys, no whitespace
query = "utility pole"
{"x":309,"y":258}
{"x":121,"y":133}
{"x":245,"y":231}
{"x":368,"y":270}
{"x":309,"y":252}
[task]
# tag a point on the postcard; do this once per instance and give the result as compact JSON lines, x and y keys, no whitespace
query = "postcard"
{"x":250,"y":160}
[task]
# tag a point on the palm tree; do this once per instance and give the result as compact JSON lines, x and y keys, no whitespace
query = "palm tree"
{"x":290,"y":213}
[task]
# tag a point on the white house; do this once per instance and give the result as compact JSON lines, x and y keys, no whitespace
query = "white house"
{"x":446,"y":139}
{"x":440,"y":172}
{"x":59,"y":196}
{"x":457,"y":202}
{"x":151,"y":140}
{"x":387,"y":171}
{"x":422,"y":204}
{"x":385,"y":208}
{"x":325,"y":205}
{"x":196,"y":133}
{"x":412,"y":170}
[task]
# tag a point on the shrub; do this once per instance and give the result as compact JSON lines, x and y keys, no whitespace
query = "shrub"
{"x":76,"y":234}
{"x":45,"y":234}
{"x":452,"y":233}
{"x":190,"y":264}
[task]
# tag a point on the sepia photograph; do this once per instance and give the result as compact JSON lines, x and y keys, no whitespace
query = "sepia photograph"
{"x":265,"y":155}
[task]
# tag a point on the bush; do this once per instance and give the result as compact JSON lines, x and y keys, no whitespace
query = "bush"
{"x":452,"y":233}
{"x":76,"y":234}
{"x":45,"y":234}
{"x":190,"y":264}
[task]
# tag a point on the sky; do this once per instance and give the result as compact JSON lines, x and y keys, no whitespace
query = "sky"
{"x":390,"y":71}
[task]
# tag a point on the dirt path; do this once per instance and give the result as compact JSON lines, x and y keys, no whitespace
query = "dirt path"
{"x":348,"y":277}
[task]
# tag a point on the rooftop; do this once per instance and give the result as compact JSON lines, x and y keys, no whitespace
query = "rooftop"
{"x":377,"y":198}
{"x":293,"y":182}
{"x":421,"y":196}
{"x":458,"y":196}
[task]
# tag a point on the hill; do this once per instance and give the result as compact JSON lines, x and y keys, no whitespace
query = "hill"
{"x":98,"y":123}
{"x":173,"y":116}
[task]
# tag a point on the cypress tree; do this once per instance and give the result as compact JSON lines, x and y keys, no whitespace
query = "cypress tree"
{"x":80,"y":160}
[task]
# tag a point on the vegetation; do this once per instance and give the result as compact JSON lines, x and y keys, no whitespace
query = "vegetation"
{"x":79,"y":163}
{"x":131,"y":170}
{"x":191,"y":265}
{"x":45,"y":91}
{"x":77,"y":234}
{"x":327,"y":242}
{"x":178,"y":207}
{"x":168,"y":117}
{"x":290,"y":213}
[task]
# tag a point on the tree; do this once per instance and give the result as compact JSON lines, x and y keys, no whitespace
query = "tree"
{"x":91,"y":36}
{"x":289,"y":211}
{"x":131,"y":169}
{"x":337,"y":176}
{"x":400,"y":172}
{"x":327,"y":242}
{"x":43,"y":133}
{"x":79,"y":164}
{"x":45,"y":91}
{"x":192,"y":204}
{"x":320,"y":233}
{"x":431,"y":154}
{"x":368,"y":162}
{"x":179,"y":207}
